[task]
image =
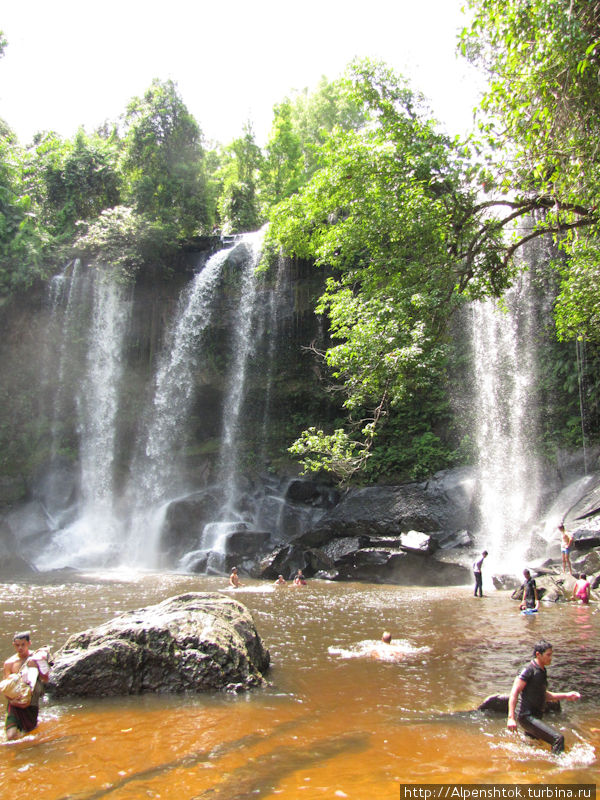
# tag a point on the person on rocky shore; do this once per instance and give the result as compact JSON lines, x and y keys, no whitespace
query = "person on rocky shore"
{"x":281,"y":581}
{"x":22,"y":718}
{"x":477,"y":564}
{"x":529,"y":600}
{"x":566,"y":540}
{"x":530,"y":692}
{"x":581,"y":590}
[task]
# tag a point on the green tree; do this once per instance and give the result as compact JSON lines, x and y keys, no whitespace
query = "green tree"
{"x":542,"y":126}
{"x":315,"y":114}
{"x":238,"y":203}
{"x":382,"y":215}
{"x":163,"y":160}
{"x":23,"y":240}
{"x":74,"y":180}
{"x":283,"y":163}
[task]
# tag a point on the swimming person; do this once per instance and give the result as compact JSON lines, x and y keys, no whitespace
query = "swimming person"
{"x":299,"y":580}
{"x":22,"y":717}
{"x":530,"y":691}
{"x":233,"y":578}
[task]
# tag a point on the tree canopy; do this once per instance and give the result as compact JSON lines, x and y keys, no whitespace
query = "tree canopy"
{"x":381,"y":214}
{"x":541,"y":122}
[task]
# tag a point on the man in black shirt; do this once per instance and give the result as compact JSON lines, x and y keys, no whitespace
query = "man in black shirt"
{"x":530,"y":598}
{"x":530,"y":689}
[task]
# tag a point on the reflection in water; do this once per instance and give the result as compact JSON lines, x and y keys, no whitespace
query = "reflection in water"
{"x":332,"y":723}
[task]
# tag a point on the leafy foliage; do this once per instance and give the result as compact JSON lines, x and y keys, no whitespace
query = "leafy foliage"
{"x":126,"y":241}
{"x":378,"y":213}
{"x":73,"y":180}
{"x":238,"y":203}
{"x":543,"y":130}
{"x":162,"y":160}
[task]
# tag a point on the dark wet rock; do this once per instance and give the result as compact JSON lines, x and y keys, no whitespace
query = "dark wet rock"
{"x":444,"y":504}
{"x":402,"y":567}
{"x":311,"y":493}
{"x":588,"y":563}
{"x":355,"y":558}
{"x":585,"y":539}
{"x":507,"y":582}
{"x":498,"y":704}
{"x":14,"y":567}
{"x":194,"y":642}
{"x":247,"y":542}
{"x":185,"y":520}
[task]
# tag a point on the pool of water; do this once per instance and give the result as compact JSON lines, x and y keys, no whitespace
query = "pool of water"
{"x":340,"y":718}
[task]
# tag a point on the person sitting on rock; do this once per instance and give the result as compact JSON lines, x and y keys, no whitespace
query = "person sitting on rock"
{"x":234,"y":581}
{"x":581,"y":590}
{"x":281,"y":581}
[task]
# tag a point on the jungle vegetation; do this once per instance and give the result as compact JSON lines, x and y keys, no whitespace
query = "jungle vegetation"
{"x":406,"y":222}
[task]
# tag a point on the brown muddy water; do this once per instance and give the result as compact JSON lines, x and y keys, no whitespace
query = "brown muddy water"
{"x":335,"y":722}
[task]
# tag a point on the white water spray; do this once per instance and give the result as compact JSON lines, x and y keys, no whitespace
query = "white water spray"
{"x":505,"y":371}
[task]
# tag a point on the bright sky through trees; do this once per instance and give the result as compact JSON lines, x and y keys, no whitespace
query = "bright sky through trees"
{"x":70,"y":62}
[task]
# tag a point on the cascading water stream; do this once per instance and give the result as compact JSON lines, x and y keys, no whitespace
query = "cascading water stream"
{"x":506,"y":415}
{"x":94,"y":537}
{"x":215,"y":534}
{"x":155,"y":472}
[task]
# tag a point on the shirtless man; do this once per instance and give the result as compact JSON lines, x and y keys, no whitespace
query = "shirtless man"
{"x":22,"y":718}
{"x":233,"y":578}
{"x":566,"y":540}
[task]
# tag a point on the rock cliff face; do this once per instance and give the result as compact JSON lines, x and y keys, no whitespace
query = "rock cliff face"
{"x":194,"y":642}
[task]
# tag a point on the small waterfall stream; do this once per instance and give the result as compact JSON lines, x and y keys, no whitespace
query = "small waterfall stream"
{"x":94,"y":537}
{"x":507,"y":420}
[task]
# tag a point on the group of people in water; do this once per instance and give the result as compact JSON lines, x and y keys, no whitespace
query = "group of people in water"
{"x":529,"y":694}
{"x":527,"y":701}
{"x":297,"y":580}
{"x":529,"y":594}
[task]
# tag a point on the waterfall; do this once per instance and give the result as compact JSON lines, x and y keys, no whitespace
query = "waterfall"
{"x":248,"y":322}
{"x":159,"y":459}
{"x":506,"y":417}
{"x":243,"y":344}
{"x":155,"y":474}
{"x":94,"y":537}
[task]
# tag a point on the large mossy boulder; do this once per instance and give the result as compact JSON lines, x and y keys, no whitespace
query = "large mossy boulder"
{"x":193,"y":642}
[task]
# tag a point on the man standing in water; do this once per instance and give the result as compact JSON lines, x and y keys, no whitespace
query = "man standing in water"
{"x":22,"y":718}
{"x":477,"y":564}
{"x":531,"y":692}
{"x":530,"y":600}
